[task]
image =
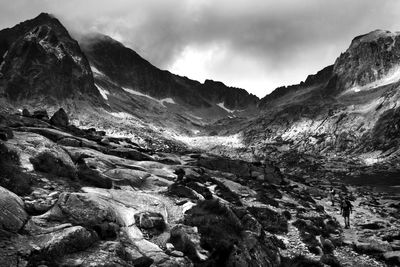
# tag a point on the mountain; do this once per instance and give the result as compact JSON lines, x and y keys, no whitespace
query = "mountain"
{"x":103,"y":84}
{"x":40,"y":62}
{"x":348,"y":109}
{"x":116,"y":65}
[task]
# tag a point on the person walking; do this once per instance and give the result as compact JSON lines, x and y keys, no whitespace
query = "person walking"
{"x":346,"y":208}
{"x":332,"y":193}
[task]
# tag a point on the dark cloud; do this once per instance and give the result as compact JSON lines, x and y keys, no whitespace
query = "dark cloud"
{"x":258,"y":45}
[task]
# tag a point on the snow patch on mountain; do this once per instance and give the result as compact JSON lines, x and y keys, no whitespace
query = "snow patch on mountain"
{"x":102,"y":91}
{"x":159,"y":101}
{"x":222,"y":105}
{"x":168,"y":100}
{"x":392,"y":77}
{"x":96,"y":71}
{"x":121,"y":115}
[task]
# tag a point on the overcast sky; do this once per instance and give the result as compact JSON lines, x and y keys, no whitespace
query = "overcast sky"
{"x":254,"y":44}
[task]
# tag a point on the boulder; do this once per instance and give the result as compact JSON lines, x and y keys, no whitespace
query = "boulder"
{"x":109,"y":253}
{"x":41,"y":115}
{"x":12,"y":213}
{"x":61,"y":242}
{"x":39,"y":206}
{"x":60,"y":118}
{"x":150,"y":220}
{"x":79,"y":208}
{"x":49,"y":162}
{"x":200,"y":188}
{"x":26,"y":113}
{"x":35,"y":149}
{"x":187,"y":239}
{"x":180,"y":190}
{"x":88,"y":171}
{"x":6,"y":133}
{"x":270,"y":220}
{"x":12,"y":177}
{"x":392,"y":257}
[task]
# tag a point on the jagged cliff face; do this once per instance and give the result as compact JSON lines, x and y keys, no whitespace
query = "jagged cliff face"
{"x":370,"y":61}
{"x":41,"y":61}
{"x":349,"y":108}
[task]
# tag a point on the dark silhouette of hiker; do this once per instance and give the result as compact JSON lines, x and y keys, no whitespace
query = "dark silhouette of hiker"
{"x":332,"y":193}
{"x":180,"y":173}
{"x":346,"y":208}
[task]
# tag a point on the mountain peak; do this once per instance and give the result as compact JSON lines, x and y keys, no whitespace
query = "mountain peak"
{"x":42,"y":60}
{"x":373,"y":36}
{"x":370,"y":59}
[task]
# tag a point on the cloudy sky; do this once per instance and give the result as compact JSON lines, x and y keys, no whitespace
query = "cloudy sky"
{"x":254,"y":44}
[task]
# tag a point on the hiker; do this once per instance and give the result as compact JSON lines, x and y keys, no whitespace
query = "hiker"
{"x":180,"y":173}
{"x":332,"y":195}
{"x":346,"y":208}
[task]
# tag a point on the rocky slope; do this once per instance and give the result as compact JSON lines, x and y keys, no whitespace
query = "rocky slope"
{"x":73,"y":197}
{"x":126,"y":80}
{"x":348,"y":109}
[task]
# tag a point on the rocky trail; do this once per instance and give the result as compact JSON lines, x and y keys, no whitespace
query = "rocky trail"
{"x":76,"y":197}
{"x":354,"y":234}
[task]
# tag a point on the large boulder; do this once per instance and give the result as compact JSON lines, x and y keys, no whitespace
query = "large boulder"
{"x":226,"y":238}
{"x":34,"y":149}
{"x":12,"y":213}
{"x":84,"y":209}
{"x":61,"y":242}
{"x":49,"y":162}
{"x":187,"y":239}
{"x":60,"y":118}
